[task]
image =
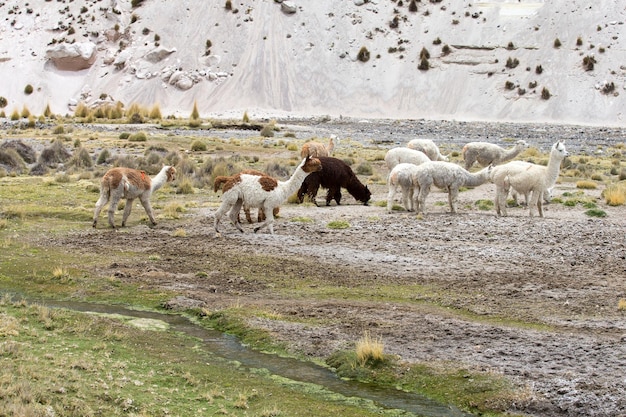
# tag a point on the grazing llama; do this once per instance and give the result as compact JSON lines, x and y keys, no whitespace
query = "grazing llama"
{"x":402,"y":175}
{"x":532,"y":179}
{"x":221,"y":179}
{"x":317,"y":149}
{"x":429,"y":147}
{"x":401,"y":155}
{"x":261,"y":191}
{"x":447,"y":176}
{"x":130,"y":184}
{"x":335,"y":174}
{"x":486,"y":153}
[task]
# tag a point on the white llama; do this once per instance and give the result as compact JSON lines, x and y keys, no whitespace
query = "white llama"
{"x":130,"y":184}
{"x":427,"y":146}
{"x":402,"y":175}
{"x":400,"y":155}
{"x":261,"y":192}
{"x":446,"y":176}
{"x":486,"y":153}
{"x":526,"y":179}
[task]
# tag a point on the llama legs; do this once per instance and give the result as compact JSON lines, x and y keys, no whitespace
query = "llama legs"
{"x":102,"y":201}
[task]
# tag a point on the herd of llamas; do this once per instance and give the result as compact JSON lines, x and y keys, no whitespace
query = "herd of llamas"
{"x":413,"y":169}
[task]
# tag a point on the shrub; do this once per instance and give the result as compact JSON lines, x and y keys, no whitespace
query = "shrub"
{"x":363,"y":55}
{"x":3,"y":102}
{"x":424,"y":65}
{"x":28,"y":89}
{"x":545,"y":94}
{"x":509,"y":85}
{"x":589,"y":63}
{"x":413,"y":6}
{"x":338,"y":224}
{"x":245,"y":118}
{"x":155,"y":112}
{"x":424,"y":54}
{"x":586,"y":185}
{"x":103,"y":157}
{"x":512,"y":62}
{"x":138,"y":137}
{"x":268,"y":130}
{"x":81,"y":110}
{"x":15,"y":115}
{"x":364,"y":169}
{"x":595,"y":213}
{"x":25,"y":112}
{"x":510,"y":46}
{"x":47,"y":112}
{"x":446,"y":50}
{"x":124,"y":135}
{"x":369,"y":350}
{"x":185,"y":186}
{"x":82,"y":159}
{"x":437,"y":41}
{"x":195,"y":115}
{"x":615,"y":195}
{"x":228,"y":5}
{"x":538,"y":69}
{"x":198,"y":146}
{"x":579,"y":41}
{"x":608,"y":88}
{"x":136,"y":3}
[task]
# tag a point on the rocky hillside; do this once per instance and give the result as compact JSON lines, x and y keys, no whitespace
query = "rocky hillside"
{"x":517,"y":60}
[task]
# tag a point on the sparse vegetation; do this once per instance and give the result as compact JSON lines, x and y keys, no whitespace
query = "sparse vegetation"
{"x":512,"y":63}
{"x":363,"y":55}
{"x":589,"y":63}
{"x":557,"y":43}
{"x":545,"y":94}
{"x":28,"y":90}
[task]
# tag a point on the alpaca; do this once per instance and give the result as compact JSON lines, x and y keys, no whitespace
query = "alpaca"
{"x":447,"y":176}
{"x":427,"y":146}
{"x":547,"y":196}
{"x":528,"y":179}
{"x":396,"y":156}
{"x":334,"y":175}
{"x":130,"y":183}
{"x":317,"y":149}
{"x":220,"y":180}
{"x":490,"y":154}
{"x":261,"y":191}
{"x":403,"y":175}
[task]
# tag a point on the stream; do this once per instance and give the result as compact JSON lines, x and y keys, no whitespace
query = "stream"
{"x":228,"y":347}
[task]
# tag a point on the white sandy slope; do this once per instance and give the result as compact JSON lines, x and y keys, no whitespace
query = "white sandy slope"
{"x":304,"y":64}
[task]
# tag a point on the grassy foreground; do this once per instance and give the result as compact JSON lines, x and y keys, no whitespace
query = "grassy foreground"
{"x":57,"y":362}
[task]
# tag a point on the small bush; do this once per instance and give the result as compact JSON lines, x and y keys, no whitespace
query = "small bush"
{"x":579,"y":41}
{"x":363,"y":55}
{"x":138,"y":137}
{"x":124,"y":135}
{"x":424,"y":54}
{"x":589,"y":63}
{"x":185,"y":186}
{"x":28,"y":90}
{"x":198,"y":146}
{"x":103,"y":157}
{"x":512,"y":62}
{"x":595,"y":213}
{"x":615,"y":195}
{"x":195,"y":115}
{"x":155,"y":112}
{"x":369,"y":350}
{"x":267,"y":131}
{"x":446,"y":50}
{"x":557,"y":43}
{"x":424,"y":65}
{"x":364,"y":169}
{"x":545,"y":94}
{"x":338,"y":224}
{"x":538,"y":69}
{"x":586,"y":185}
{"x":509,"y":85}
{"x":3,"y":102}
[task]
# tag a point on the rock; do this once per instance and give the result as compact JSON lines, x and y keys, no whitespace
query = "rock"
{"x":288,"y":7}
{"x":159,"y":54}
{"x":72,"y":57}
{"x":122,"y":59}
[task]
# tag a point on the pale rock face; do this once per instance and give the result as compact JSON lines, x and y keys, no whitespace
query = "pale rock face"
{"x":72,"y":57}
{"x":159,"y":54}
{"x":288,"y":7}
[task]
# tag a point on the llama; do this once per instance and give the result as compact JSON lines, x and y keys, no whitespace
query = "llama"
{"x":530,"y":179}
{"x":317,"y":149}
{"x":490,"y":154}
{"x":334,"y":175}
{"x":427,"y":146}
{"x":396,"y":156}
{"x":547,"y":196}
{"x":403,"y":175}
{"x":261,"y":191}
{"x":130,"y":183}
{"x":220,"y":180}
{"x":447,"y":176}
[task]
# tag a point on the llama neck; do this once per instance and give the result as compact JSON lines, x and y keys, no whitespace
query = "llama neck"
{"x":159,"y":180}
{"x":513,"y":152}
{"x":552,"y":170}
{"x":479,"y":178}
{"x":293,"y":184}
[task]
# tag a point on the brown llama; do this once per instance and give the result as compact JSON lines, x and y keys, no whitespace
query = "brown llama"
{"x":130,"y":184}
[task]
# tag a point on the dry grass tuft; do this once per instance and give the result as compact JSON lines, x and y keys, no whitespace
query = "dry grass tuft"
{"x":369,"y":349}
{"x":615,"y":195}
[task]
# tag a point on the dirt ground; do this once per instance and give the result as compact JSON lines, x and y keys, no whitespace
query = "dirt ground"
{"x":565,"y":270}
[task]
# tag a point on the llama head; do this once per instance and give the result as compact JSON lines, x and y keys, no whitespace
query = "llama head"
{"x":366,"y":196}
{"x":311,"y":165}
{"x":171,"y":173}
{"x":559,"y":151}
{"x":522,"y":144}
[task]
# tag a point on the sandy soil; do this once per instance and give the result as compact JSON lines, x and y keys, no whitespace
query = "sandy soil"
{"x":565,"y":270}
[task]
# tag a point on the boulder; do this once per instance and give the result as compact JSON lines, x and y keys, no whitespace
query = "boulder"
{"x":158,"y":54}
{"x":288,"y":7}
{"x":72,"y":57}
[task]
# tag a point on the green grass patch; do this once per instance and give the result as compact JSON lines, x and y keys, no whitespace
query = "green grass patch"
{"x":338,"y":224}
{"x":57,"y":362}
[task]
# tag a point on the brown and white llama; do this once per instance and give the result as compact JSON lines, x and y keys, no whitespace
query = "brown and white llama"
{"x":222,"y":179}
{"x":130,"y":184}
{"x":261,"y":191}
{"x":317,"y":149}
